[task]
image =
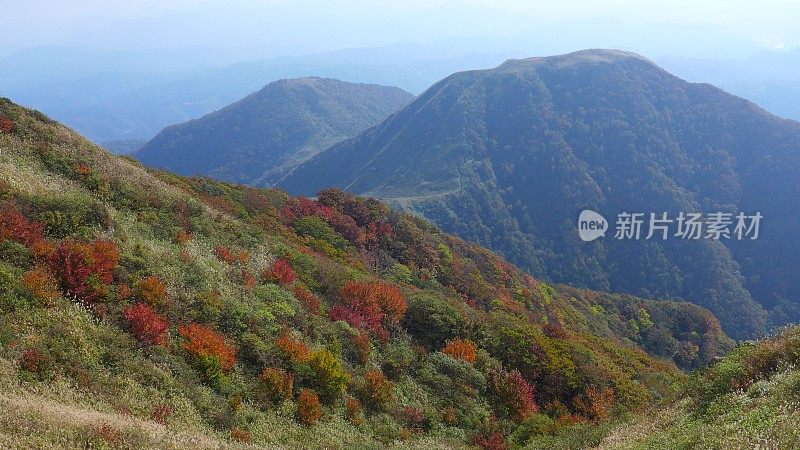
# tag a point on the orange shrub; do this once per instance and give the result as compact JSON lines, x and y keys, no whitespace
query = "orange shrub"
{"x":462,"y":349}
{"x":241,"y":435}
{"x":152,"y":290}
{"x":248,"y":280}
{"x":203,"y":342}
{"x":224,"y":254}
{"x":296,"y":351}
{"x":380,"y":391}
{"x":277,"y":384}
{"x":182,"y":237}
{"x":41,"y":284}
{"x":363,"y":347}
{"x":308,"y":299}
{"x":354,"y":411}
{"x":308,"y":409}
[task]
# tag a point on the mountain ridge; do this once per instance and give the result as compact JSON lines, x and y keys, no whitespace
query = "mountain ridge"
{"x":267,"y":133}
{"x":507,"y":157}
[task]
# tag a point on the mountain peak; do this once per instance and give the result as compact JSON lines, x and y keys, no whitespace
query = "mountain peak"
{"x":578,"y":57}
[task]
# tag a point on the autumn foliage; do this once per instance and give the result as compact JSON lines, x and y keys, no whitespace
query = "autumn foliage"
{"x":15,"y":226}
{"x":354,"y":411}
{"x":462,"y":349}
{"x":41,"y":284}
{"x":224,"y":254}
{"x":6,"y":124}
{"x":308,"y":299}
{"x":296,"y":351}
{"x":277,"y":384}
{"x":85,"y":270}
{"x":379,"y":391}
{"x":146,"y":325}
{"x":203,"y":342}
{"x":308,"y":408}
{"x":370,"y":305}
{"x":514,"y":394}
{"x":279,"y":272}
{"x":152,"y":290}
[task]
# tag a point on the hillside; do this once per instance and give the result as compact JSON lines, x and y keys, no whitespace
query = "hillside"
{"x":508,"y":157}
{"x":144,"y":309}
{"x":746,"y":400}
{"x":262,"y":137}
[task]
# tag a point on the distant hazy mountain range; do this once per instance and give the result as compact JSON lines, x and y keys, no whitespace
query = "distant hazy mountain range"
{"x":508,"y":157}
{"x":132,"y":95}
{"x":262,"y":137}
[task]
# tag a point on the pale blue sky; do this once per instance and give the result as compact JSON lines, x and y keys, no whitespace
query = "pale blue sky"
{"x":291,"y":27}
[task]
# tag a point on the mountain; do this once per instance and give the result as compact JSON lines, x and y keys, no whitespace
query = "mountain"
{"x":262,"y":137}
{"x":508,"y":157}
{"x":142,"y":309}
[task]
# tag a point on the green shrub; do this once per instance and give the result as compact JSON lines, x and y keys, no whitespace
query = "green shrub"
{"x":15,"y":254}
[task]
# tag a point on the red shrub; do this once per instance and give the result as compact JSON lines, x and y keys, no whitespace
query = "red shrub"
{"x":296,"y":351}
{"x":462,"y":349}
{"x":32,"y":360}
{"x":182,"y":237}
{"x":152,"y":290}
{"x":308,"y":409}
{"x":105,"y":257}
{"x":514,"y":394}
{"x":279,"y":272}
{"x":301,"y":207}
{"x":71,"y":264}
{"x":6,"y":124}
{"x":277,"y":383}
{"x":413,"y":417}
{"x":15,"y":226}
{"x":84,"y":270}
{"x":146,"y":325}
{"x":204,"y":342}
{"x":367,"y":305}
{"x":161,"y":413}
{"x":224,"y":254}
{"x":308,"y":299}
{"x":123,"y":291}
{"x":492,"y":440}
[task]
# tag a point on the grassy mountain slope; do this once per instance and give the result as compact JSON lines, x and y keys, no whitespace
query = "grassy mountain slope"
{"x":508,"y":157}
{"x":748,"y":399}
{"x":262,"y":137}
{"x":141,"y":308}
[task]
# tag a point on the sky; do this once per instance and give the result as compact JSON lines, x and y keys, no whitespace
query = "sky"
{"x":280,"y":27}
